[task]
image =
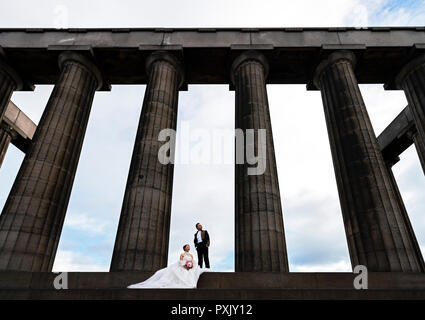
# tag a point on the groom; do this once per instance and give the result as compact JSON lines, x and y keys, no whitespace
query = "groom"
{"x":202,"y":242}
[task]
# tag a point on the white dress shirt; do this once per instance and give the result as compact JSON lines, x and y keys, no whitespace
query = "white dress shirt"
{"x":199,"y":236}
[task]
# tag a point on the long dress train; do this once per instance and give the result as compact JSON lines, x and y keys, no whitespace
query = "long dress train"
{"x":174,"y":276}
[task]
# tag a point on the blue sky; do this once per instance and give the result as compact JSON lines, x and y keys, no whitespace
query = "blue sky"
{"x":204,"y":192}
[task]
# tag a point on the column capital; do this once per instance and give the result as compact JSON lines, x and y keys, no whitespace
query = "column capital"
{"x":19,"y":83}
{"x":68,"y":56}
{"x":249,"y":55}
{"x":162,"y":55}
{"x":330,"y":60}
{"x":408,"y":68}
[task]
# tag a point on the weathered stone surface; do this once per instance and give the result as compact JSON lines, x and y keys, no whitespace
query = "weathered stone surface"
{"x":399,"y":135}
{"x":32,"y":218}
{"x":5,"y":138}
{"x":411,"y":79}
{"x":259,"y":232}
{"x":19,"y":125}
{"x":218,"y":280}
{"x":378,"y":234}
{"x":389,"y":164}
{"x":420,"y":149}
{"x":9,"y":81}
{"x":19,"y":122}
{"x":215,"y":286}
{"x":142,"y":239}
{"x":292,"y":59}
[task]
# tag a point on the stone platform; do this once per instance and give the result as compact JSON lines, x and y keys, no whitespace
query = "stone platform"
{"x":215,"y":286}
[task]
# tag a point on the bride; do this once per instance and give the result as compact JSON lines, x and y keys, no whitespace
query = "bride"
{"x":181,"y":274}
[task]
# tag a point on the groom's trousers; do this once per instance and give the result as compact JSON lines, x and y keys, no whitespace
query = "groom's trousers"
{"x":202,"y":250}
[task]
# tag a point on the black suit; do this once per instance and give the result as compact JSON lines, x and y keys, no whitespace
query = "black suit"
{"x":202,"y":248}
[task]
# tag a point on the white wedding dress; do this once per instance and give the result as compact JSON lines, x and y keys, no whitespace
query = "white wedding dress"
{"x":174,"y":276}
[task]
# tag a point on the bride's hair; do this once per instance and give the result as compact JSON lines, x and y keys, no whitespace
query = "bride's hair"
{"x":184,"y":247}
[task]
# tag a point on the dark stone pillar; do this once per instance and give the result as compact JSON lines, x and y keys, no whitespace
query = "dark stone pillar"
{"x":389,"y":164}
{"x":378,"y":234}
{"x":6,"y":136}
{"x":9,"y":81}
{"x":420,"y":149}
{"x":32,"y":218}
{"x":259,"y":232}
{"x":411,"y":79}
{"x":141,"y":243}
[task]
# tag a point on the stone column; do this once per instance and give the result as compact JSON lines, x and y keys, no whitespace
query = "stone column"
{"x":389,"y":164}
{"x":377,"y":232}
{"x":142,"y":238}
{"x":411,"y":79}
{"x":32,"y":218}
{"x":259,"y":233}
{"x":420,"y":149}
{"x":6,"y":136}
{"x":9,"y":81}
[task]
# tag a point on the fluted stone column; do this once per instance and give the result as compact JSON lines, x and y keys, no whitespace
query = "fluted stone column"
{"x":143,"y":232}
{"x":6,"y":136}
{"x":32,"y":218}
{"x":420,"y":149}
{"x":378,"y":234}
{"x":389,"y":164}
{"x":411,"y":79}
{"x":9,"y":81}
{"x":259,"y":232}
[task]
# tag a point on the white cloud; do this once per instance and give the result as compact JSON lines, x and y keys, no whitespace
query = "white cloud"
{"x":218,"y":13}
{"x":83,"y":222}
{"x":67,"y":260}
{"x":339,"y":266}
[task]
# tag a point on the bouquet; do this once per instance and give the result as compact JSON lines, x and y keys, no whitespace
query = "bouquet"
{"x":188,"y":265}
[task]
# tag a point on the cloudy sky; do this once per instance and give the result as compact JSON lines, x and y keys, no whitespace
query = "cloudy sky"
{"x":203,"y":190}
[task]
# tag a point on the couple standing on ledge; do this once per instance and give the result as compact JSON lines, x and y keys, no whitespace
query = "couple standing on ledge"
{"x":185,"y":272}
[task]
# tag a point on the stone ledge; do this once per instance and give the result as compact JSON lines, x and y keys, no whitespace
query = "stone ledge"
{"x":218,"y":280}
{"x":292,"y":60}
{"x":212,"y":294}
